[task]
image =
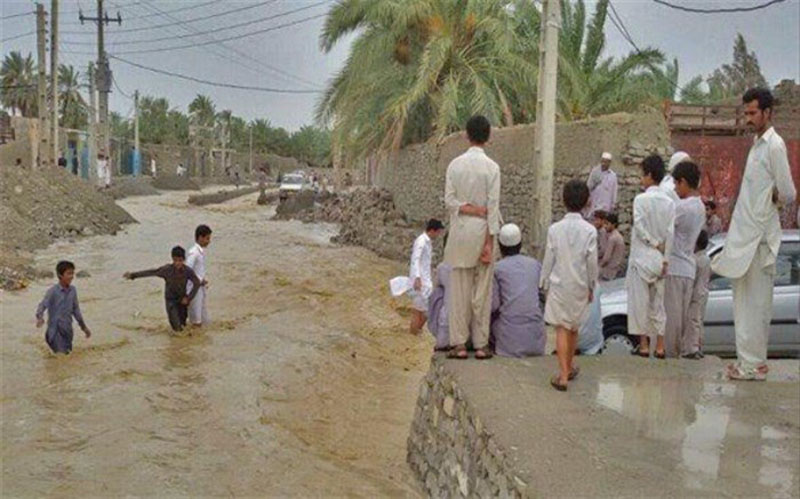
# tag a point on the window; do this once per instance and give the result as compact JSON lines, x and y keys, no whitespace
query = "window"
{"x":787,"y":272}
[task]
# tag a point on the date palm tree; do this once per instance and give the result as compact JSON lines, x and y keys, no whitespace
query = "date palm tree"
{"x":202,"y":111}
{"x":73,"y":107}
{"x":18,"y":79}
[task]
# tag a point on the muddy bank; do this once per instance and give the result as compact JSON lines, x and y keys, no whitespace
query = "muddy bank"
{"x":220,"y":196}
{"x":123,"y":187}
{"x":302,"y":385}
{"x":175,"y":183}
{"x":38,"y":207}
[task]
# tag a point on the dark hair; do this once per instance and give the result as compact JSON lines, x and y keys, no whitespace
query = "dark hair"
{"x":63,"y":266}
{"x":434,"y":224}
{"x":601,"y":214}
{"x":653,"y":165}
{"x":576,"y":195}
{"x":478,"y":129}
{"x":711,"y":204}
{"x":762,"y":95}
{"x":688,"y":171}
{"x":702,"y":241}
{"x":510,"y":250}
{"x":202,"y":231}
{"x":178,"y":252}
{"x":613,"y":219}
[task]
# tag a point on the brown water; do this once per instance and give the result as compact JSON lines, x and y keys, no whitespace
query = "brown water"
{"x":304,"y":383}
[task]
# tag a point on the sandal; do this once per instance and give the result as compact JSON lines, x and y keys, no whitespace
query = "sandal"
{"x":557,"y":385}
{"x":483,"y":354}
{"x":640,"y":353}
{"x":459,"y":352}
{"x":660,"y":356}
{"x":574,"y":373}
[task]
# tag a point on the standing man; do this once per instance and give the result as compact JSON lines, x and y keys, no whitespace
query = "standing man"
{"x":754,"y":237}
{"x":602,"y":187}
{"x":153,"y":165}
{"x":196,"y":260}
{"x":472,"y":198}
{"x":667,"y":185}
{"x":103,"y":174}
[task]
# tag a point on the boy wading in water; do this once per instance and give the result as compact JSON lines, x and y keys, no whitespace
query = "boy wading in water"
{"x":569,"y":276}
{"x":61,"y":303}
{"x":196,"y":260}
{"x":175,"y":276}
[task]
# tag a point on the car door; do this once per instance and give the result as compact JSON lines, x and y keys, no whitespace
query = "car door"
{"x":785,"y":332}
{"x":719,"y":334}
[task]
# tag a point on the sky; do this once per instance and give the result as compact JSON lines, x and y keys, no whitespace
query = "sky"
{"x":701,"y":43}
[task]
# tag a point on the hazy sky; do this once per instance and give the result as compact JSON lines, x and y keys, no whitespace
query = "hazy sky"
{"x":700,"y":42}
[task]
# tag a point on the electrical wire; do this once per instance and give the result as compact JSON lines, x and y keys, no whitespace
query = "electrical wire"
{"x":718,"y":11}
{"x":116,"y":85}
{"x":12,"y":16}
{"x":196,"y":19}
{"x":213,"y":83}
{"x":130,"y":18}
{"x":29,"y":33}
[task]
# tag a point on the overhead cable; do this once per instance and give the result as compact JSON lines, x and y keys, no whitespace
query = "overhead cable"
{"x":728,"y":10}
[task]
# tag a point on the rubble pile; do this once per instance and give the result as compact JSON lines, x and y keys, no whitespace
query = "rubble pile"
{"x":175,"y":183}
{"x":123,"y":187}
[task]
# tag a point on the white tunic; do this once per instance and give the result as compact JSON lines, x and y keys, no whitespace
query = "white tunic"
{"x":421,"y":256}
{"x":756,"y":218}
{"x":690,"y":216}
{"x":667,"y":186}
{"x":196,"y":260}
{"x":653,"y":225}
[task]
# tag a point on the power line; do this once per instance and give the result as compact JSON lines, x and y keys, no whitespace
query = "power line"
{"x":718,"y":11}
{"x":12,"y":16}
{"x":143,"y":16}
{"x":213,"y":83}
{"x":202,"y":18}
{"x":29,"y":33}
{"x":116,"y":85}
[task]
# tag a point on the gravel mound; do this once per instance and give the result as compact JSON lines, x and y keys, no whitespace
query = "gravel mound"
{"x":124,"y":187}
{"x":175,"y":183}
{"x":221,"y":196}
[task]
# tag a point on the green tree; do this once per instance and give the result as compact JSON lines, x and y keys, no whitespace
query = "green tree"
{"x":19,"y":84}
{"x":73,"y":110}
{"x":202,"y":111}
{"x":312,"y":145}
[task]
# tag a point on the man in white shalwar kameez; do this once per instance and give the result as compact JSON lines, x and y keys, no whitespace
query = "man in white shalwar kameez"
{"x":196,"y":260}
{"x":472,"y":198}
{"x":754,"y":237}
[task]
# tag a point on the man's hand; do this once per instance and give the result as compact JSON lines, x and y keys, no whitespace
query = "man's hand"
{"x":776,"y":197}
{"x":661,"y":248}
{"x":127,"y":275}
{"x":417,"y":284}
{"x":87,"y":332}
{"x":204,"y":283}
{"x":185,"y":300}
{"x":486,"y":253}
{"x":39,"y":322}
{"x":591,"y":296}
{"x":664,"y":267}
{"x":472,"y":210}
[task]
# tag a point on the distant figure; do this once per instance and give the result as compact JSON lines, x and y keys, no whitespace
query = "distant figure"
{"x":651,"y":242}
{"x":18,"y":163}
{"x":690,"y":216}
{"x":713,"y":222}
{"x":598,"y":220}
{"x":697,"y":306}
{"x":74,"y":162}
{"x":176,"y":276}
{"x":196,"y":260}
{"x":613,"y":252}
{"x":61,"y":304}
{"x":420,"y":273}
{"x":517,"y":324}
{"x":62,"y":161}
{"x":348,"y":179}
{"x":754,"y":237}
{"x":569,"y":277}
{"x":667,"y":184}
{"x":153,"y":170}
{"x":237,"y":180}
{"x":437,"y":308}
{"x":181,"y":171}
{"x":602,"y":186}
{"x":103,"y":172}
{"x":472,"y":197}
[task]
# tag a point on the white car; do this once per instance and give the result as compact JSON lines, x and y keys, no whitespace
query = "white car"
{"x":719,"y":338}
{"x":291,"y":184}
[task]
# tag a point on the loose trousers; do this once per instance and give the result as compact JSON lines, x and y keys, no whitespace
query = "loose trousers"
{"x":176,"y":313}
{"x":198,"y":314}
{"x":646,"y":316}
{"x":697,"y":313}
{"x":678,"y":331}
{"x":752,"y":308}
{"x":470,"y":303}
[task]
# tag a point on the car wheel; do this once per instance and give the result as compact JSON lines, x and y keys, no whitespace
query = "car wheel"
{"x":617,"y":341}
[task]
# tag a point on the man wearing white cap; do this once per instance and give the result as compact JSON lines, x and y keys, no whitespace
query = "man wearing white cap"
{"x":667,"y":184}
{"x":602,"y":187}
{"x":517,"y":322}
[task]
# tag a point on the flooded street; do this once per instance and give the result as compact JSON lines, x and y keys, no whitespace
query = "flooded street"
{"x":304,"y":383}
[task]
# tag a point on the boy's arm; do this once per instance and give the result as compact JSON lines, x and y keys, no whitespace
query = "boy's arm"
{"x":782,"y":174}
{"x":416,"y":261}
{"x":592,"y":269}
{"x":144,"y":273}
{"x":76,"y":312}
{"x":43,"y":306}
{"x":195,"y":283}
{"x":640,"y":224}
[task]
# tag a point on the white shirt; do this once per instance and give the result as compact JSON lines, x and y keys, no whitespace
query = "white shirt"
{"x":570,"y":265}
{"x":196,"y":260}
{"x":603,"y":187}
{"x":421,"y":255}
{"x":653,"y":225}
{"x":690,"y":216}
{"x":475,"y":179}
{"x":756,"y":218}
{"x":667,"y":186}
{"x":153,"y":166}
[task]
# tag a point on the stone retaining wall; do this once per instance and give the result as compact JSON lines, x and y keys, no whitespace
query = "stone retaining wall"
{"x":449,"y":448}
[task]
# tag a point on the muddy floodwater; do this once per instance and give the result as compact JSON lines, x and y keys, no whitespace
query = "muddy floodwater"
{"x":304,"y":383}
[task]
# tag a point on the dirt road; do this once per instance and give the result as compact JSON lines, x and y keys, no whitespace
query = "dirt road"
{"x":304,"y":384}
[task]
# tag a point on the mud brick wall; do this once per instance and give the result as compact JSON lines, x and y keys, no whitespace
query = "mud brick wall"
{"x":415,"y":175}
{"x":449,"y":448}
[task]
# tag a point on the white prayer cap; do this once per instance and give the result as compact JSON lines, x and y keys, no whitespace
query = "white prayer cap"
{"x":678,"y":157}
{"x":510,"y":235}
{"x":606,"y":155}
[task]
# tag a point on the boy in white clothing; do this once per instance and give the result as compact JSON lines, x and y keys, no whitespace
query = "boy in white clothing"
{"x":697,"y":307}
{"x":196,"y":260}
{"x":420,"y":273}
{"x":569,"y":276}
{"x":651,"y":242}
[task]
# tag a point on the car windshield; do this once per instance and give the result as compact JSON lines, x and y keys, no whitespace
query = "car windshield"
{"x":292,"y":179}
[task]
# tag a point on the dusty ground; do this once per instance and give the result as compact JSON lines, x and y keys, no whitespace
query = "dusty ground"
{"x":304,"y":384}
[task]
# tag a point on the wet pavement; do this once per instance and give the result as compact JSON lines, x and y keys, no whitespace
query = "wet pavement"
{"x":303,"y":384}
{"x":631,"y":427}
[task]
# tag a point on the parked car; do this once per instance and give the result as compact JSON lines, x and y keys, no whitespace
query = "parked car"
{"x":719,"y":338}
{"x":291,"y":184}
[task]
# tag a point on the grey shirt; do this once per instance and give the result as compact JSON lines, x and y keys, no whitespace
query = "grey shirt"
{"x":517,"y":322}
{"x":690,"y":217}
{"x":62,"y":305}
{"x":174,"y":280}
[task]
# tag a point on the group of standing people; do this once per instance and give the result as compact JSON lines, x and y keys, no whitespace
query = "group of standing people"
{"x":476,"y":302}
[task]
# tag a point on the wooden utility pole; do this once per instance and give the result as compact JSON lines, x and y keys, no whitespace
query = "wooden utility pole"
{"x":54,"y":79}
{"x":41,"y":97}
{"x":92,"y":124}
{"x":250,"y":168}
{"x":545,"y":131}
{"x":136,"y":119}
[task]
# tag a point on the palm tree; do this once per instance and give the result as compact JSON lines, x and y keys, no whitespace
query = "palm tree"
{"x":73,"y":107}
{"x":589,"y":85}
{"x":419,"y":68}
{"x":18,"y":84}
{"x":202,"y":111}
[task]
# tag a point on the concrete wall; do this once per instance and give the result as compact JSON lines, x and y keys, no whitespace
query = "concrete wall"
{"x":415,"y":175}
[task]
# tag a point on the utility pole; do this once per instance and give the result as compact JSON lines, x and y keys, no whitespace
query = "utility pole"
{"x":92,"y":124}
{"x":250,"y":169}
{"x":137,"y":154}
{"x":41,"y":97}
{"x":103,"y":76}
{"x":545,"y":132}
{"x":54,"y":78}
